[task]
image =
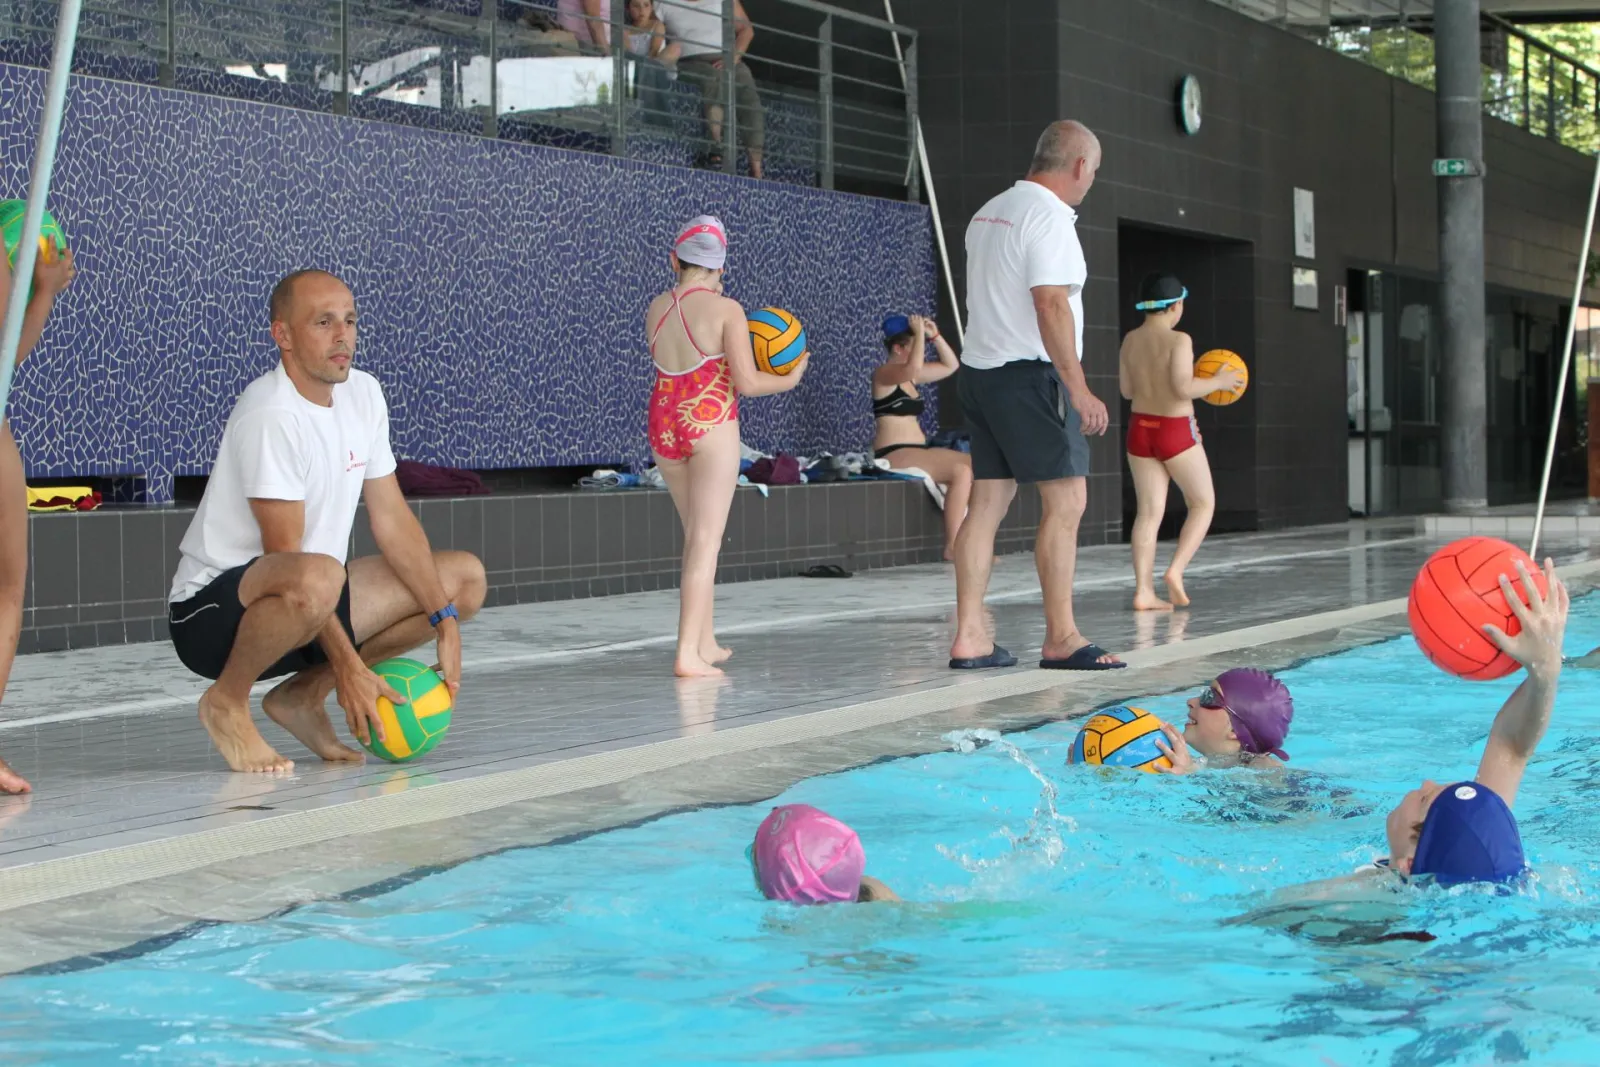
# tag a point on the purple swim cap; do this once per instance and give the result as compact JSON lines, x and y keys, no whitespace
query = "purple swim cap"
{"x":1260,"y":707}
{"x":805,"y":856}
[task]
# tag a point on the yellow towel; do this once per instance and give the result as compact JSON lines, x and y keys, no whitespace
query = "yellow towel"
{"x":60,"y":498}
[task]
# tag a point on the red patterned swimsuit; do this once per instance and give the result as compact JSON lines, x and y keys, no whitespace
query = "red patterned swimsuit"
{"x":686,"y":404}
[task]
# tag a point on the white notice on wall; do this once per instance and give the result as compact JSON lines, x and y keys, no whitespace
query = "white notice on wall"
{"x":1305,"y":225}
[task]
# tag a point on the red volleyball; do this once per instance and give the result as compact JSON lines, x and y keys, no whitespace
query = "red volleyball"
{"x":1457,"y":593}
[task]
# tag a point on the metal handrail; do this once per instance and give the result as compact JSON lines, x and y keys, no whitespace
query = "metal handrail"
{"x":859,"y":124}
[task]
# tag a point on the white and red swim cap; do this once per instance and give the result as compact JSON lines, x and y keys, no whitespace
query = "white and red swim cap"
{"x":703,"y":242}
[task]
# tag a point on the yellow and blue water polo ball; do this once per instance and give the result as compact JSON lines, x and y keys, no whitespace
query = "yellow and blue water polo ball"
{"x":778,"y":340}
{"x":1120,"y":737}
{"x":11,"y":215}
{"x":413,"y":728}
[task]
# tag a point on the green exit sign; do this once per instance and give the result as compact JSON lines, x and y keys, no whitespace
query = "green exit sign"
{"x":1457,"y":168}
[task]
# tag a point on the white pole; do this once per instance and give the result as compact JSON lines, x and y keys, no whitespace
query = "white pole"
{"x":44,"y":163}
{"x":1566,"y":361}
{"x":927,"y":181}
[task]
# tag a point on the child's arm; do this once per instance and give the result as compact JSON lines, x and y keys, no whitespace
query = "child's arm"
{"x":658,"y":38}
{"x":1184,"y":382}
{"x":1124,"y":386}
{"x":52,"y":272}
{"x":875,"y":892}
{"x":1523,"y":718}
{"x":748,"y":379}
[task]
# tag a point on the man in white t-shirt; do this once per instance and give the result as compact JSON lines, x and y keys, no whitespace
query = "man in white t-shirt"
{"x":1027,"y":403}
{"x":262,"y":589}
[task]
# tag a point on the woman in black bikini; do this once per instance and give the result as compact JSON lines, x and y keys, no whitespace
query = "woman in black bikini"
{"x":896,"y":406}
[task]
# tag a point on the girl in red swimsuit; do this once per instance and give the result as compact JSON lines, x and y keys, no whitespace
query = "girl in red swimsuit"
{"x":700,"y":344}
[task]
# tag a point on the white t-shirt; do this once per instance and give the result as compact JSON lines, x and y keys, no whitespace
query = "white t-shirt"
{"x":1022,"y":238}
{"x":695,"y":24}
{"x":277,"y":445}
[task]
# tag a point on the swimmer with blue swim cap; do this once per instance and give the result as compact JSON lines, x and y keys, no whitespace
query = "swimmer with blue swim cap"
{"x":1465,"y":832}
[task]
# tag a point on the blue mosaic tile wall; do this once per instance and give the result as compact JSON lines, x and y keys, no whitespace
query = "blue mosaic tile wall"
{"x":502,"y":286}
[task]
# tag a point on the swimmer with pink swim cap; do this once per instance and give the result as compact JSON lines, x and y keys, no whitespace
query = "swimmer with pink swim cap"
{"x":805,"y":856}
{"x":1240,"y":720}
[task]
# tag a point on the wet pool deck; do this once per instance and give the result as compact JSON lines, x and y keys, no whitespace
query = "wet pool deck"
{"x":109,"y":736}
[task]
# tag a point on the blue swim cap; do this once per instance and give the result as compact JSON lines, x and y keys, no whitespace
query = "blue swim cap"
{"x":1469,"y":835}
{"x":895,"y":325}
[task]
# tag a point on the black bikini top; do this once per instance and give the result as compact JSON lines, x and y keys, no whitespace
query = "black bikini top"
{"x":898,"y":402}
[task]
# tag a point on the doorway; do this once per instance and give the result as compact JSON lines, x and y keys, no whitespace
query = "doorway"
{"x":1220,"y":313}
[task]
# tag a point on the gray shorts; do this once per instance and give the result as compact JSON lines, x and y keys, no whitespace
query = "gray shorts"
{"x":1021,"y":424}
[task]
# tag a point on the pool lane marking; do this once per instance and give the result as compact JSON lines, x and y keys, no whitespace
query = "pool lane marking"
{"x":523,"y":659}
{"x":53,"y":879}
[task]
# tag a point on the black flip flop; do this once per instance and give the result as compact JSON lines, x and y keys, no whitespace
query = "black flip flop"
{"x":824,"y":570}
{"x":1086,"y":658}
{"x":997,"y":657}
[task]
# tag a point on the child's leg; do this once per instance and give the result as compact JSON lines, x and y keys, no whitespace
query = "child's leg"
{"x":702,"y":488}
{"x":1192,"y":471}
{"x":1150,"y":485}
{"x":13,"y":572}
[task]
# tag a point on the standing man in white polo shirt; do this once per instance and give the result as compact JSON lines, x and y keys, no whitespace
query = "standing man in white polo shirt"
{"x":1027,"y":403}
{"x":262,"y":589}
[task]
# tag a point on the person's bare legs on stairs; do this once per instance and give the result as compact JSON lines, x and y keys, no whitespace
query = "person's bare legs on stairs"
{"x":13,"y":574}
{"x":1150,"y":486}
{"x":287,"y":597}
{"x":387,"y":622}
{"x":1192,"y":471}
{"x":702,"y":489}
{"x":974,"y":558}
{"x":1056,"y":556}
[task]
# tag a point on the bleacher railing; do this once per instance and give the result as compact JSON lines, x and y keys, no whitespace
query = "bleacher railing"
{"x":1526,"y":82}
{"x":838,"y":106}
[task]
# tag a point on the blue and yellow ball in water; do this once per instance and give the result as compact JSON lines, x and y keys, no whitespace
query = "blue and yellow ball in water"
{"x":412,"y":729}
{"x":1120,"y":737}
{"x":777,"y":340}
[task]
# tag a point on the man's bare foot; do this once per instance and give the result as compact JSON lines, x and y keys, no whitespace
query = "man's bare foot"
{"x":295,"y":707}
{"x":1175,"y":591}
{"x":1146,"y":600}
{"x":715,"y":653}
{"x":11,"y":781}
{"x":694,"y":666}
{"x":237,"y":738}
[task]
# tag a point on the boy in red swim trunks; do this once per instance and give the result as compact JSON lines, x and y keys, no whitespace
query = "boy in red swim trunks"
{"x":1157,"y":374}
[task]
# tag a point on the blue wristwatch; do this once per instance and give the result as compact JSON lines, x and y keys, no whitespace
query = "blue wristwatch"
{"x":447,"y":612}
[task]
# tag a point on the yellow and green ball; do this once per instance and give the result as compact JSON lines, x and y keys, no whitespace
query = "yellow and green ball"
{"x":414,"y":728}
{"x":11,"y":216}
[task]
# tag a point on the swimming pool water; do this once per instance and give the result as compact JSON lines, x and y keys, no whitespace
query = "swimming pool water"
{"x":1060,"y":915}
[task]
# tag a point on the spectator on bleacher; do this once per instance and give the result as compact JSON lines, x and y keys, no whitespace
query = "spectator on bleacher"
{"x":585,"y":20}
{"x":645,"y":36}
{"x":52,"y":272}
{"x":696,"y":27}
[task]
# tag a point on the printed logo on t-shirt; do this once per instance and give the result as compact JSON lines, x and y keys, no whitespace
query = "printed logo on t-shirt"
{"x":355,"y":464}
{"x":996,"y":222}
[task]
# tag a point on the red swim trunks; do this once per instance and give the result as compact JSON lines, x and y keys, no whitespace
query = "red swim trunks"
{"x":1161,"y":436}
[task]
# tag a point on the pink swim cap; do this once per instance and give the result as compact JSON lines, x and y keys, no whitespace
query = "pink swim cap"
{"x":805,"y":856}
{"x":703,"y":241}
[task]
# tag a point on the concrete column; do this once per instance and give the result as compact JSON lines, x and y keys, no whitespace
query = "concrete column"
{"x":1463,"y":361}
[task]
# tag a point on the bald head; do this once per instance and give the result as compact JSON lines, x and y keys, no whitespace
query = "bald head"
{"x":283,"y":293}
{"x":1062,"y":145}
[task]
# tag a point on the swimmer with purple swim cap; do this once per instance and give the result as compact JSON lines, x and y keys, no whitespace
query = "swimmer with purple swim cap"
{"x":805,"y":856}
{"x":1239,"y":720}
